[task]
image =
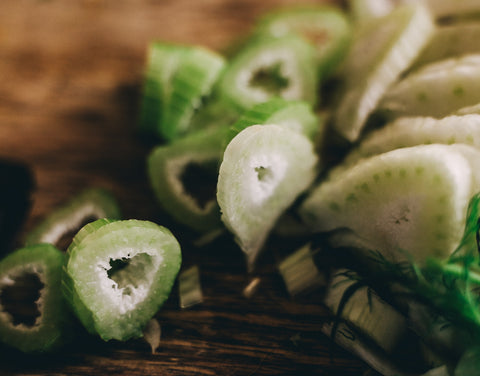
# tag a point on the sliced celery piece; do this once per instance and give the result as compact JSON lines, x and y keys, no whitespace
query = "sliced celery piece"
{"x":437,"y":89}
{"x":451,"y":40}
{"x":184,"y":174}
{"x":365,"y":310}
{"x":327,"y":27}
{"x":33,"y":315}
{"x":264,"y":169}
{"x":410,"y":199}
{"x":295,"y":115}
{"x":380,"y":53}
{"x":271,"y":67}
{"x":177,"y":81}
{"x":119,"y":274}
{"x":162,"y":63}
{"x":88,"y":206}
{"x":411,"y":131}
{"x":192,"y":83}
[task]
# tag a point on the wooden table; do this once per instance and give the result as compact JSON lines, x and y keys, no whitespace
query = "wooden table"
{"x":70,"y":73}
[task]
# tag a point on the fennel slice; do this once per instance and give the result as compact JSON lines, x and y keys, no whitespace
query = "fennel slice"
{"x":407,"y":200}
{"x":380,"y":53}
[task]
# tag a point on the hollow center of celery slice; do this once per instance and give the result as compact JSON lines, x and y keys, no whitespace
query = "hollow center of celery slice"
{"x":200,"y":181}
{"x":20,"y":297}
{"x":270,"y":79}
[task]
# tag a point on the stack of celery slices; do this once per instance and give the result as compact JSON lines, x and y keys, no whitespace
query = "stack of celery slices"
{"x":383,"y":166}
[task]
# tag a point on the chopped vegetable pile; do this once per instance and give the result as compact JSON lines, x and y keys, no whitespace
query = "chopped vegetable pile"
{"x":356,"y":130}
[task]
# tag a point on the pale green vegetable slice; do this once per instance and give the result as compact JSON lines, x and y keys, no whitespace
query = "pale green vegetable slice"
{"x":366,"y":311}
{"x":380,"y":53}
{"x":264,"y":169}
{"x":193,"y":82}
{"x":184,"y":174}
{"x":90,"y":205}
{"x":327,"y":27}
{"x":407,"y":200}
{"x":411,"y":131}
{"x":33,"y":315}
{"x":271,"y":67}
{"x":451,"y":40}
{"x":295,"y":115}
{"x":118,"y":275}
{"x":437,"y":89}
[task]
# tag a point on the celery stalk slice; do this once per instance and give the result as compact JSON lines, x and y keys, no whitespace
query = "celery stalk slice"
{"x":380,"y":53}
{"x":162,"y":63}
{"x":88,"y":206}
{"x":410,"y":199}
{"x":33,"y":315}
{"x":437,"y":89}
{"x":326,"y":27}
{"x":271,"y":67}
{"x":184,"y":174}
{"x":118,"y":275}
{"x":365,"y":11}
{"x":264,"y":169}
{"x":193,"y":81}
{"x":295,"y":115}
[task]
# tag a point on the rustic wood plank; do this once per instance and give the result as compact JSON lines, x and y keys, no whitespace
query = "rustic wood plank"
{"x":70,"y":73}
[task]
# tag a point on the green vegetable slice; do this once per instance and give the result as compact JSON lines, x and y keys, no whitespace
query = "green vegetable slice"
{"x":295,"y":115}
{"x":411,"y":131}
{"x":184,"y":175}
{"x":411,"y":199}
{"x":437,"y":89}
{"x":264,"y":169}
{"x":380,"y":53}
{"x":178,"y":80}
{"x":192,"y":83}
{"x":452,"y":40}
{"x":118,"y":275}
{"x":162,"y":63}
{"x":271,"y":67}
{"x":63,"y":222}
{"x":327,"y":27}
{"x":33,"y":316}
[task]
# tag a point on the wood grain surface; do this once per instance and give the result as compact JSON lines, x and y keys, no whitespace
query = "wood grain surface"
{"x":70,"y":73}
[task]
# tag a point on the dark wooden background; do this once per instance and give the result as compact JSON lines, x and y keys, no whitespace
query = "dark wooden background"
{"x":70,"y":73}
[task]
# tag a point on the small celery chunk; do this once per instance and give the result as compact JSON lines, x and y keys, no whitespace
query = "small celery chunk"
{"x":183,"y":175}
{"x":118,"y":274}
{"x":437,"y":89}
{"x":271,"y":67}
{"x":88,"y":206}
{"x":264,"y":169}
{"x":327,"y":27}
{"x":177,"y":81}
{"x":381,"y":51}
{"x":410,"y":199}
{"x":33,"y":314}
